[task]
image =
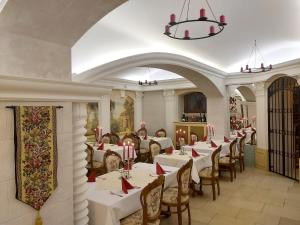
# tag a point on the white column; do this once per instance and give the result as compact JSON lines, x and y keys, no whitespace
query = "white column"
{"x":79,"y":161}
{"x":261,"y":115}
{"x":104,"y":113}
{"x":218,"y":115}
{"x":171,"y":111}
{"x":138,"y":109}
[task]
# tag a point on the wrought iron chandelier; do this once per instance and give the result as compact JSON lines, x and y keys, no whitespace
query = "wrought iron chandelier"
{"x":148,"y":83}
{"x":254,"y":55}
{"x":172,"y":27}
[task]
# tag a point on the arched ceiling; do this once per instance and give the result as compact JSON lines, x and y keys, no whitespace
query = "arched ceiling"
{"x":136,"y":27}
{"x":247,"y":93}
{"x":57,"y":21}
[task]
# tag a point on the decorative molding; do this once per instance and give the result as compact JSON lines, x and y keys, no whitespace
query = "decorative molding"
{"x":80,"y":186}
{"x":290,"y":68}
{"x":31,"y":89}
{"x":261,"y":159}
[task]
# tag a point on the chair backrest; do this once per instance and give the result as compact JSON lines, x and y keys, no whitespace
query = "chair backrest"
{"x":242,"y":145}
{"x":106,"y":138}
{"x":194,"y":136}
{"x":127,"y":139}
{"x":142,"y":132}
{"x":233,"y":150}
{"x":90,"y":154}
{"x":151,"y":198}
{"x":155,"y":149}
{"x":112,"y":161}
{"x":161,"y":133}
{"x":114,"y":138}
{"x":253,"y":138}
{"x":215,"y":161}
{"x":136,"y":140}
{"x":183,"y":179}
{"x":182,"y":141}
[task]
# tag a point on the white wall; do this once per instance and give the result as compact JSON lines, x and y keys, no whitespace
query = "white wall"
{"x":59,"y":207}
{"x":154,"y":111}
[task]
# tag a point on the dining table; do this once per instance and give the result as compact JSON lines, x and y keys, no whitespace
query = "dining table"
{"x":99,"y":154}
{"x":108,"y":204}
{"x":177,"y":159}
{"x":165,"y":142}
{"x":205,"y":147}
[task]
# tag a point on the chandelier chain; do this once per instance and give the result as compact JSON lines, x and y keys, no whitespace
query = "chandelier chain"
{"x":179,"y":18}
{"x":210,"y":9}
{"x":188,"y":10}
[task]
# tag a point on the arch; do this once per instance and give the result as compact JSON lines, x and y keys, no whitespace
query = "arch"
{"x":273,"y":78}
{"x":203,"y":76}
{"x":247,"y":93}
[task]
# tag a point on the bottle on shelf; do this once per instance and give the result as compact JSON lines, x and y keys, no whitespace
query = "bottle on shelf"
{"x":183,"y":118}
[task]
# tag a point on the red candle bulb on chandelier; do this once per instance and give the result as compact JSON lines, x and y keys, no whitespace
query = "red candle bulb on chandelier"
{"x":172,"y":18}
{"x":211,"y":30}
{"x":222,"y":19}
{"x":202,"y":13}
{"x":167,"y":29}
{"x":186,"y":34}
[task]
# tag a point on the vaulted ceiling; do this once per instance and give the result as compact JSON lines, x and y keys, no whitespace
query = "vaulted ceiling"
{"x":136,"y":27}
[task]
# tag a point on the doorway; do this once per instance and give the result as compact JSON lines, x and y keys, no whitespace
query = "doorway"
{"x":283,"y":120}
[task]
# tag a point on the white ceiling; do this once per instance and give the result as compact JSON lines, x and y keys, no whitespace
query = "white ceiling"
{"x":145,"y":73}
{"x":136,"y":27}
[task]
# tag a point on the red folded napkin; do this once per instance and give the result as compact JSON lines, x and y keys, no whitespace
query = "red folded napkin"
{"x":239,"y":134}
{"x":169,"y":150}
{"x":195,"y":153}
{"x":126,"y":185}
{"x":204,"y":138}
{"x":101,"y":146}
{"x":226,"y":139}
{"x":192,"y":142}
{"x":120,"y":143}
{"x":145,"y":138}
{"x":249,"y":126}
{"x":159,"y":170}
{"x":213,"y":144}
{"x":92,"y":176}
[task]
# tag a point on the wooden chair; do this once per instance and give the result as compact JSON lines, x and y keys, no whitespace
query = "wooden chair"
{"x":142,"y":153}
{"x":142,"y":132}
{"x":161,"y":133}
{"x":155,"y":149}
{"x":150,"y":198}
{"x":105,"y":138}
{"x":240,"y":156}
{"x":112,"y":161}
{"x":227,"y":163}
{"x":253,"y":138}
{"x":114,"y":138}
{"x":92,"y":164}
{"x":178,"y":197}
{"x":194,"y":136}
{"x":210,"y":175}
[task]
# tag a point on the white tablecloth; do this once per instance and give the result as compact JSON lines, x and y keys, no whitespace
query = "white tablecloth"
{"x":203,"y":147}
{"x":165,"y":142}
{"x":108,"y":209}
{"x":99,"y":154}
{"x":177,"y":160}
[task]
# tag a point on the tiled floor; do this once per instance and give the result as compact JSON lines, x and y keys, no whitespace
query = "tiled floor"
{"x":256,"y":197}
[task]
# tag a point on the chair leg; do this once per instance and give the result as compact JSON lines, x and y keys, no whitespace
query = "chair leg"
{"x":241,"y":165}
{"x":200,"y":188}
{"x":179,"y":213}
{"x":214,"y":190}
{"x":234,"y":171}
{"x":231,"y":173}
{"x":189,"y":213}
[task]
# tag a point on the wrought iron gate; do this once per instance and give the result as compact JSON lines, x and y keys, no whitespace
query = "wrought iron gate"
{"x":283,"y":117}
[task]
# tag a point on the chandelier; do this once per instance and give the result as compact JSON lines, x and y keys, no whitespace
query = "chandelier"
{"x":254,"y":56}
{"x":172,"y":27}
{"x":148,"y":83}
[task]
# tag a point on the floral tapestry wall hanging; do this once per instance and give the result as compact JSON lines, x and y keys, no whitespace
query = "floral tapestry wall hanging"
{"x":35,"y":154}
